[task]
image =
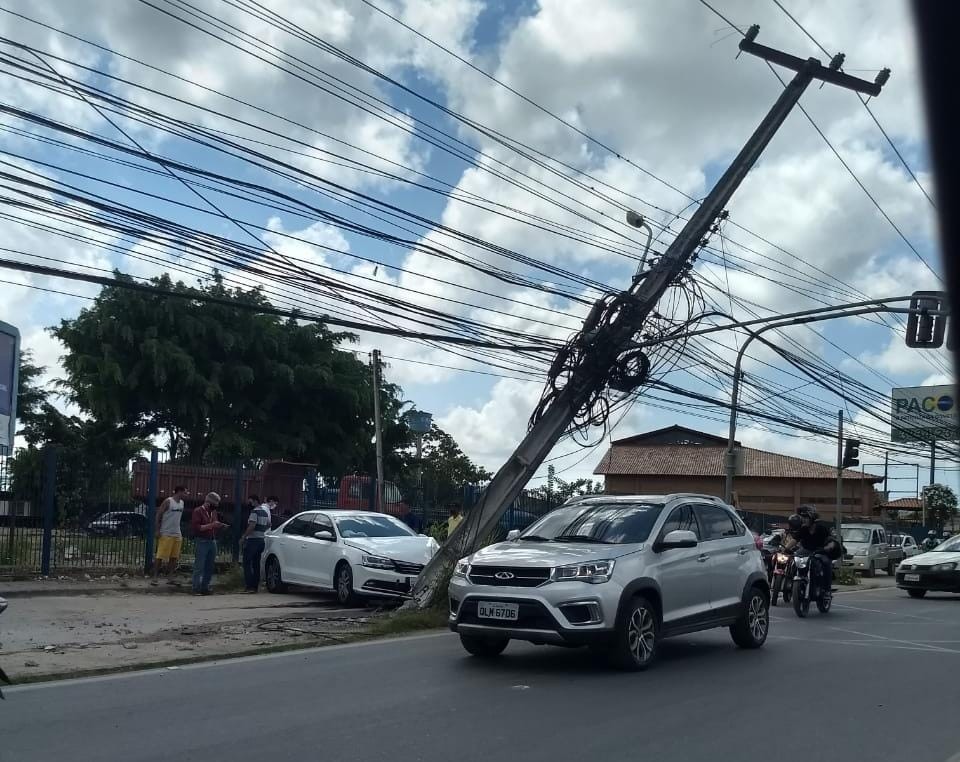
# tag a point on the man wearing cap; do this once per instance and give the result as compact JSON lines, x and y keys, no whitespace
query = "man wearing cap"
{"x":204,"y":523}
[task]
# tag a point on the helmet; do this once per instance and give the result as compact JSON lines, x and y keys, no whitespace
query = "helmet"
{"x":795,"y":522}
{"x":932,"y":533}
{"x":808,"y":512}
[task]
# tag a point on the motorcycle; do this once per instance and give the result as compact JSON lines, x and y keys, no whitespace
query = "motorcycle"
{"x":3,"y":676}
{"x":782,"y":571}
{"x":806,"y":588}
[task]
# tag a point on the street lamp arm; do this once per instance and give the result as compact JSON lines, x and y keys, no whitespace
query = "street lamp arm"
{"x":860,"y":308}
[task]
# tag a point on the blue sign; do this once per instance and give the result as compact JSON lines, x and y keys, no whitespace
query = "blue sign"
{"x":9,"y":379}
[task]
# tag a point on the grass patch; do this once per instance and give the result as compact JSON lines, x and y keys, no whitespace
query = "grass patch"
{"x":409,"y":621}
{"x":230,"y":578}
{"x":846,"y":576}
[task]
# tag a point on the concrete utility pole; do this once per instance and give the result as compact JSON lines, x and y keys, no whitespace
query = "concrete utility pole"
{"x":375,"y":360}
{"x":839,"y":469}
{"x":609,"y":333}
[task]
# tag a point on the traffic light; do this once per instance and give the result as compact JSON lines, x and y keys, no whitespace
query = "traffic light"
{"x":924,"y":330}
{"x":851,"y":453}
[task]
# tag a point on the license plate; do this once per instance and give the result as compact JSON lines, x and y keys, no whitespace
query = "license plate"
{"x":509,"y":612}
{"x":911,"y":577}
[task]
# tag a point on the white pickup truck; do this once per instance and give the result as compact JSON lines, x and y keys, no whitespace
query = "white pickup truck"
{"x":867,"y":549}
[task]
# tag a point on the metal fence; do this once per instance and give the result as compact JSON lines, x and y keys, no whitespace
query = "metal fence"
{"x":59,"y":512}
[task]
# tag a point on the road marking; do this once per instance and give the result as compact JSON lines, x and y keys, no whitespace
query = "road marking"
{"x":856,"y":643}
{"x":230,"y":661}
{"x":888,"y":613}
{"x":896,"y":640}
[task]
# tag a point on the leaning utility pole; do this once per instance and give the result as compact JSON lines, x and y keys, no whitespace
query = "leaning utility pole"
{"x":608,"y":338}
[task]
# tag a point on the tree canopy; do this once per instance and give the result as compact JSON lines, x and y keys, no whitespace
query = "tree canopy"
{"x":221,"y":381}
{"x":941,"y":504}
{"x":445,"y":468}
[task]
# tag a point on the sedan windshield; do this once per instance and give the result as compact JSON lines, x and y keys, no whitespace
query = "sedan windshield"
{"x":855,"y":535}
{"x":602,"y":523}
{"x":372,"y":526}
{"x":950,"y":546}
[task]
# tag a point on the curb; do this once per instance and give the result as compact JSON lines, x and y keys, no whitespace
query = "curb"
{"x":70,"y":591}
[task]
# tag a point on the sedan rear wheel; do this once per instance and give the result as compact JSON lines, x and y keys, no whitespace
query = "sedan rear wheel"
{"x":275,"y":583}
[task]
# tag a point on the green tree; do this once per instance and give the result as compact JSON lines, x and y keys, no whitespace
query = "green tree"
{"x":446,"y":468}
{"x":941,"y":504}
{"x":217,"y":380}
{"x":31,"y":397}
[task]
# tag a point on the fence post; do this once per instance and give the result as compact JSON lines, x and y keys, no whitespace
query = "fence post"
{"x":311,"y":489}
{"x":151,"y":512}
{"x":237,"y":511}
{"x":48,"y":504}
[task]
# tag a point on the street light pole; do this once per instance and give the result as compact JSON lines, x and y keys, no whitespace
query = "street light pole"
{"x":785,"y":321}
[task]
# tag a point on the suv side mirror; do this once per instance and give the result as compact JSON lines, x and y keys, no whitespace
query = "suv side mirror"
{"x":678,"y":538}
{"x":512,"y":535}
{"x":324,"y":534}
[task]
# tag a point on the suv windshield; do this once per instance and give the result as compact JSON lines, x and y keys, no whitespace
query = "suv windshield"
{"x":372,"y":526}
{"x":950,"y":546}
{"x":605,"y":523}
{"x":850,"y":534}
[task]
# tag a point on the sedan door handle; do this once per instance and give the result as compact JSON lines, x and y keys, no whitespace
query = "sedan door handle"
{"x":741,"y":551}
{"x":702,"y":558}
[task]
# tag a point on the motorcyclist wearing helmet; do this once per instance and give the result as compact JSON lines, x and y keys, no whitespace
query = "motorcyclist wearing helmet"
{"x":931,"y":542}
{"x":816,"y":537}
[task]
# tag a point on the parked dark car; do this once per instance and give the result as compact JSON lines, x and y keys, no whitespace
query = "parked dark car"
{"x":118,"y":524}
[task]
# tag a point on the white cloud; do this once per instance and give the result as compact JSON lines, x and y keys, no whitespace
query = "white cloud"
{"x":656,"y":82}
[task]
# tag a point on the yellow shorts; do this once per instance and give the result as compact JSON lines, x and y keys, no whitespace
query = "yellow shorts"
{"x":168,"y":547}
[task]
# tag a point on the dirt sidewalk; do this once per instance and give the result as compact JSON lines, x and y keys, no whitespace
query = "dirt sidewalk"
{"x":72,"y":633}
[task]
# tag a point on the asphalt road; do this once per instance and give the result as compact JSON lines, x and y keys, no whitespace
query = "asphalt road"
{"x":877,"y":679}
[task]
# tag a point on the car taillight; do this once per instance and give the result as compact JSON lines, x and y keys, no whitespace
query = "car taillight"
{"x":758,"y":542}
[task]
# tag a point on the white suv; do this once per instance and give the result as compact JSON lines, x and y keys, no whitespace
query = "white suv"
{"x":618,"y":574}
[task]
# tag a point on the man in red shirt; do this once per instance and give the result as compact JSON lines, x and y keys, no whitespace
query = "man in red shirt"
{"x":204,"y":523}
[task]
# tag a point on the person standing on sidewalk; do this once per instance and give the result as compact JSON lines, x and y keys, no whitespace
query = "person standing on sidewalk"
{"x":252,"y":543}
{"x":169,"y":536}
{"x":456,"y":518}
{"x":204,"y":523}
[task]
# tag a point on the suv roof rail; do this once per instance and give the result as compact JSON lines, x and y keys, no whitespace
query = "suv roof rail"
{"x":698,"y":495}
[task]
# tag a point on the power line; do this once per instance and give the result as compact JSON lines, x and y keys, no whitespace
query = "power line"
{"x":840,"y":158}
{"x":865,"y":103}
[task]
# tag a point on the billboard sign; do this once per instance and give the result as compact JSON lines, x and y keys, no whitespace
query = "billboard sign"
{"x":9,"y":379}
{"x":924,"y":414}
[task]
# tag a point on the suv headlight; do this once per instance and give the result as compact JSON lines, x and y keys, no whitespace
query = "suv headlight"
{"x":593,"y":572}
{"x":944,"y":567}
{"x":863,"y":552}
{"x":377,"y":562}
{"x":462,"y":569}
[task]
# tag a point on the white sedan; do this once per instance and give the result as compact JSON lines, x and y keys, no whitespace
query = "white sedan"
{"x":350,"y":552}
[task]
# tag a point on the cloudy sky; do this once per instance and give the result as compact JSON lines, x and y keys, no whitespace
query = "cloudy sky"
{"x":596,"y":106}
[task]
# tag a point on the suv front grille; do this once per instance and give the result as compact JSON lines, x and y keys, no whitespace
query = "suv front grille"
{"x":508,"y":576}
{"x":404,"y":567}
